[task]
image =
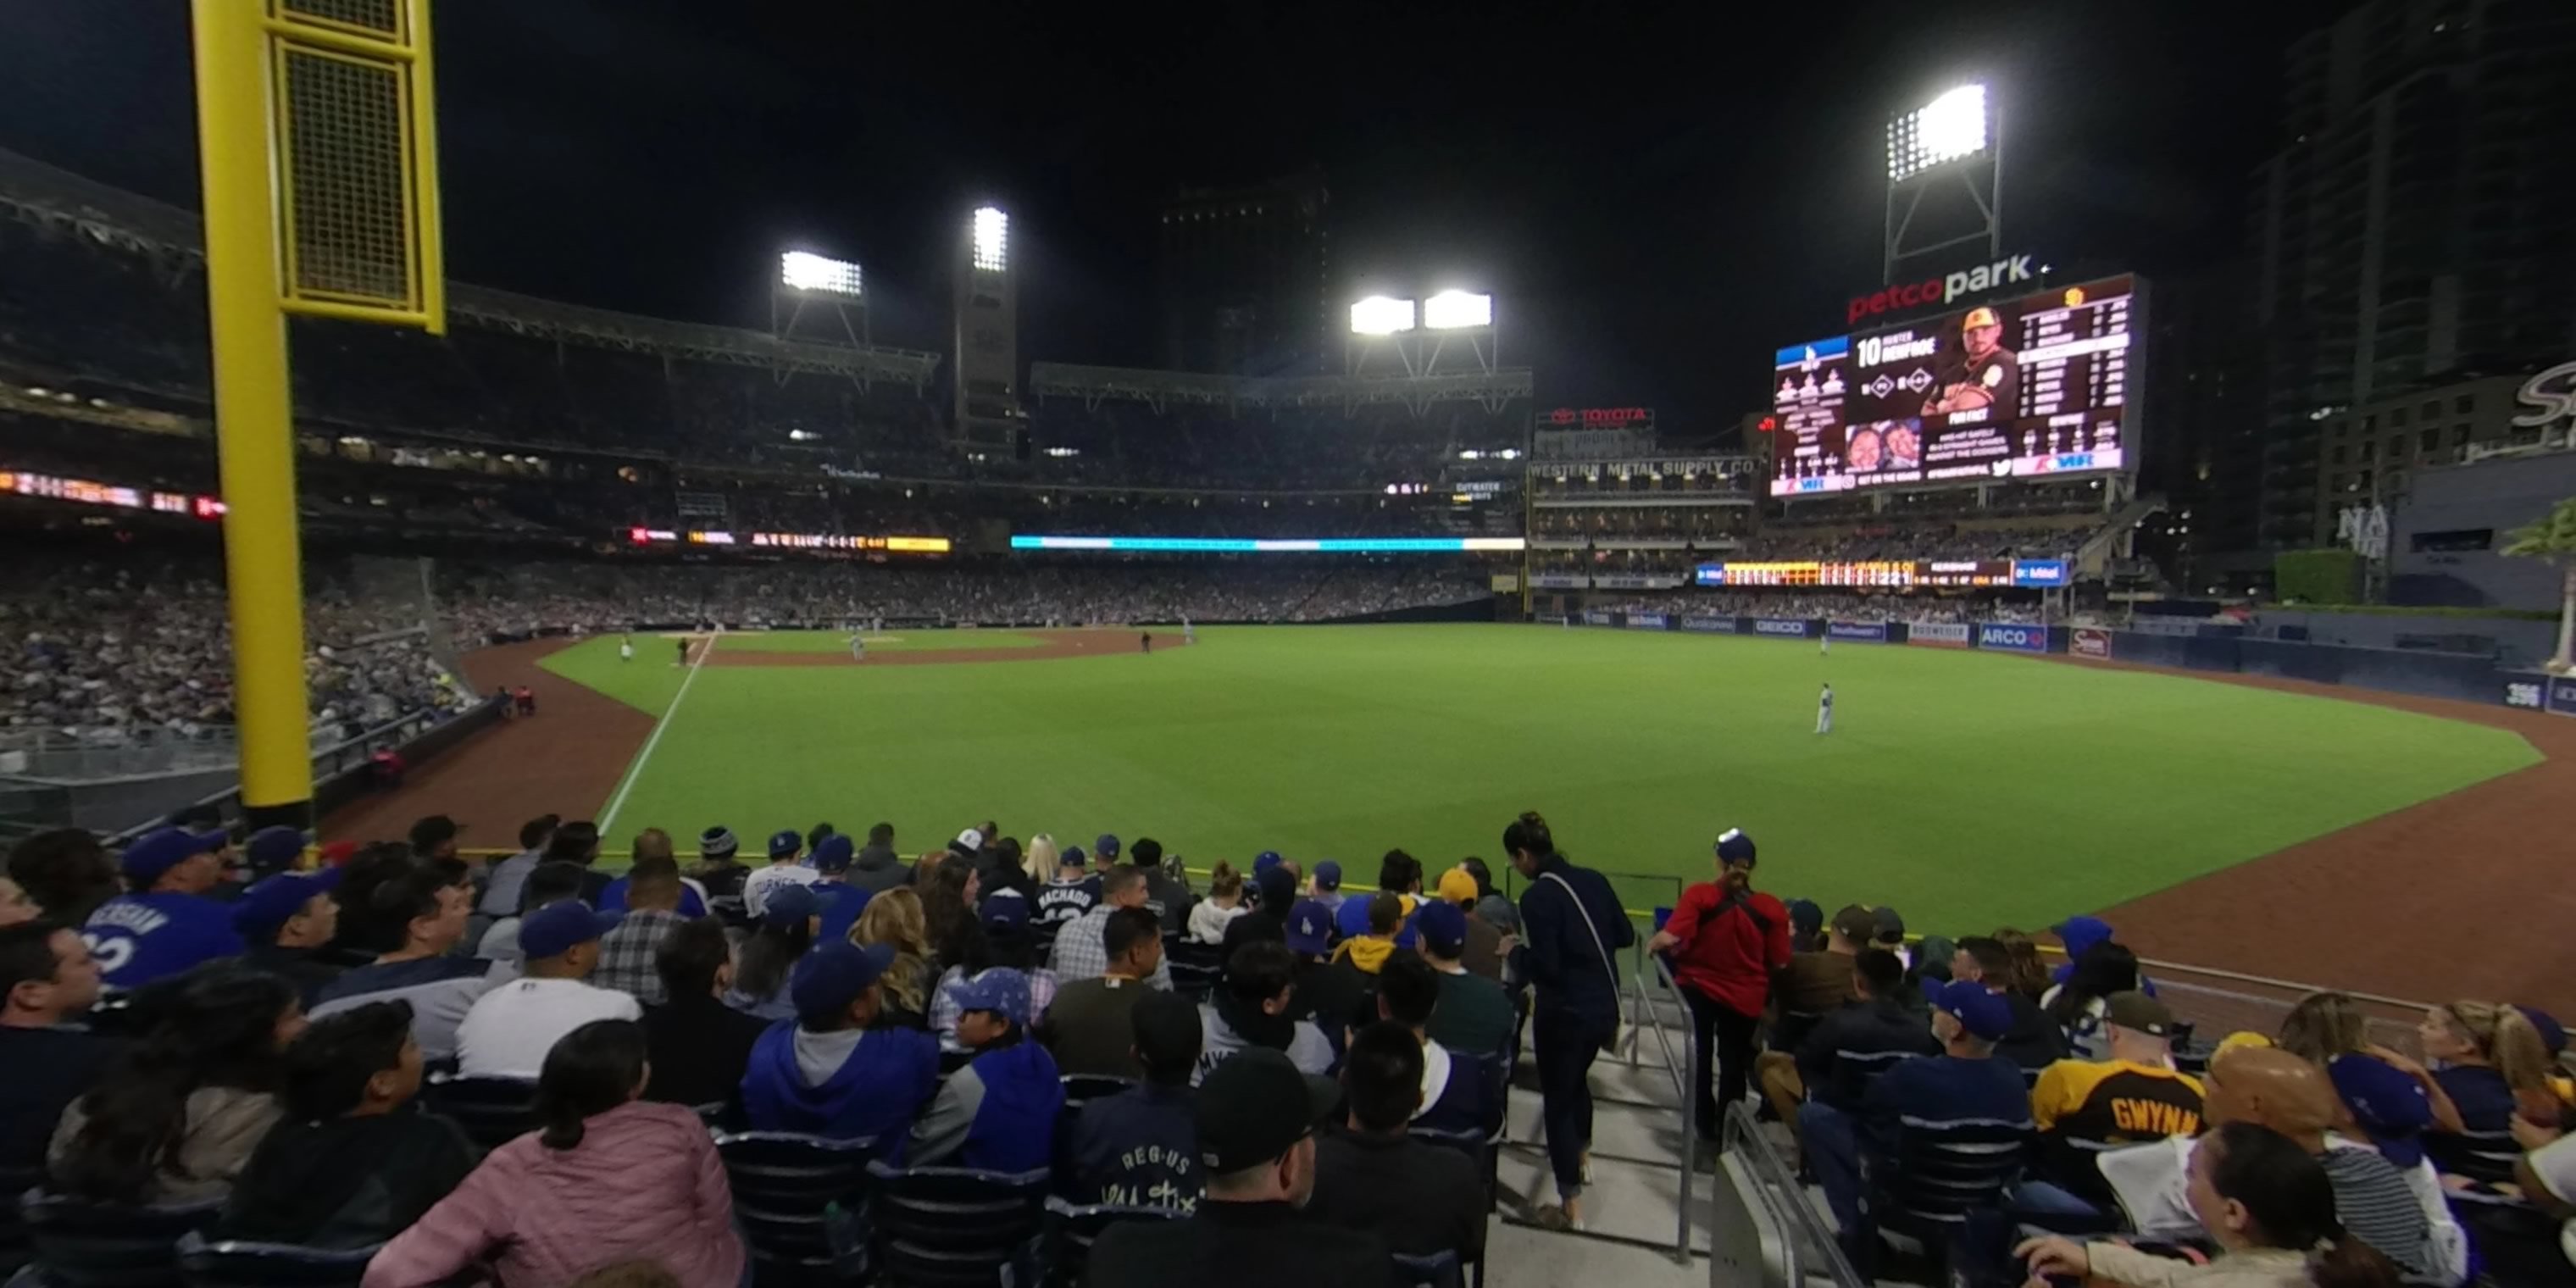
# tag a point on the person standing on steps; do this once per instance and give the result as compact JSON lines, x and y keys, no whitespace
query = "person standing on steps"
{"x":1573,"y":924}
{"x":1727,"y":940}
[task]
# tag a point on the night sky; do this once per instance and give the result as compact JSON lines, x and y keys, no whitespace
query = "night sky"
{"x":1657,"y":195}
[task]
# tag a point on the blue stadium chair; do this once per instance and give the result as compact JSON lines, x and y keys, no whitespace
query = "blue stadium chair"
{"x":80,"y":1244}
{"x":493,"y":1111}
{"x":954,"y":1227}
{"x":785,"y":1185}
{"x":1071,"y":1230}
{"x":1942,"y":1173}
{"x":1439,"y":1270}
{"x":234,"y":1264}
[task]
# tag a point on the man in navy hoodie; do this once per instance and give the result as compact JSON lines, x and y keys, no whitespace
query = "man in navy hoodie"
{"x":998,"y":1113}
{"x":826,"y":1072}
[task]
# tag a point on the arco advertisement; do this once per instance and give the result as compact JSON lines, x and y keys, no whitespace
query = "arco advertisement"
{"x":2012,"y":639}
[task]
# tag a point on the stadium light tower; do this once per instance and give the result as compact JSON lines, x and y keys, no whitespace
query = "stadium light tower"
{"x":1422,"y":334}
{"x":988,"y":409}
{"x":816,"y":287}
{"x":1949,"y":151}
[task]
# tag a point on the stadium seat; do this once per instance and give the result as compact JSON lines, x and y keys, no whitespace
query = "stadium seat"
{"x":1070,"y":1231}
{"x":1941,"y":1172}
{"x":1196,"y":967}
{"x":493,"y":1111}
{"x":784,"y":1187}
{"x":1439,"y":1270}
{"x":80,"y":1244}
{"x":953,"y":1227}
{"x":230,"y":1264}
{"x":15,"y":1181}
{"x":1083,"y":1088}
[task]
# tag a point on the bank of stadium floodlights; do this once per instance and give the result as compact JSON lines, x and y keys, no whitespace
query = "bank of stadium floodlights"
{"x":818,"y":299}
{"x":1453,"y":326}
{"x":1944,"y":177}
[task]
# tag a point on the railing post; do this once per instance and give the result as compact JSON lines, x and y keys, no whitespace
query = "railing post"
{"x":1690,"y":1151}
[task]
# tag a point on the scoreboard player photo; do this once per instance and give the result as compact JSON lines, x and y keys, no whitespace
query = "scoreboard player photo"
{"x":1978,"y":374}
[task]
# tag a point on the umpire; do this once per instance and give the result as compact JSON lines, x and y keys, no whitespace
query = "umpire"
{"x":1572,"y":926}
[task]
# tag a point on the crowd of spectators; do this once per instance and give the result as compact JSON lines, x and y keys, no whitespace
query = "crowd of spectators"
{"x":1911,"y":541}
{"x":525,"y":598}
{"x":106,"y":649}
{"x":267,"y":1036}
{"x":1955,"y":1091}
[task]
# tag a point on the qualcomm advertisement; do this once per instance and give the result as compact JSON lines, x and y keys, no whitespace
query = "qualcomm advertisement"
{"x":1781,"y":626}
{"x":1865,"y":632}
{"x":1645,"y":621}
{"x":1710,"y":625}
{"x":2017,"y":639}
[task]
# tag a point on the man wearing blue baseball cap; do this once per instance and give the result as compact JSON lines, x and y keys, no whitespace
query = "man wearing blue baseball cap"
{"x":830,"y":1072}
{"x":272,"y":850}
{"x":511,"y":1028}
{"x":1331,"y":991}
{"x":998,"y":1113}
{"x":1965,"y":1081}
{"x":284,"y":919}
{"x":164,"y":923}
{"x":783,"y":869}
{"x":842,"y":900}
{"x":1326,"y":887}
{"x":1071,"y":890}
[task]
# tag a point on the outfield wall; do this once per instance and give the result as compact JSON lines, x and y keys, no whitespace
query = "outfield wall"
{"x":2461,"y":677}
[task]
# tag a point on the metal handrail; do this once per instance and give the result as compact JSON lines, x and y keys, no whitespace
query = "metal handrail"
{"x":1778,"y":1185}
{"x":1686,"y":1078}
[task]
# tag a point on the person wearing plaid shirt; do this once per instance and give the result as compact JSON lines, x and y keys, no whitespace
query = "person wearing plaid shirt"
{"x":1079,"y":950}
{"x":652,"y":912}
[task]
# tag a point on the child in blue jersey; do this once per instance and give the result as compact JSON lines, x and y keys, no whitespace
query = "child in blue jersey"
{"x":165,"y":923}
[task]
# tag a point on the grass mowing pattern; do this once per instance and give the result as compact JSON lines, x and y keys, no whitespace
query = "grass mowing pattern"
{"x":1964,"y":788}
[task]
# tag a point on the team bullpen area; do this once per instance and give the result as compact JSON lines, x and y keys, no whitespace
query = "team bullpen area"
{"x":1965,"y":788}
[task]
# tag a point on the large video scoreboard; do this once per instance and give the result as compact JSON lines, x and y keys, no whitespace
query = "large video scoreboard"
{"x":2026,"y":388}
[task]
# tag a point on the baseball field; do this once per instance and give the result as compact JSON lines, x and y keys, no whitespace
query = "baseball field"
{"x":1964,"y":788}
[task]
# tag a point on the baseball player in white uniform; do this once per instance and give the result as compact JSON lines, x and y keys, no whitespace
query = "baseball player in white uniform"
{"x":626,"y":648}
{"x":858,"y":647}
{"x":1825,"y":710}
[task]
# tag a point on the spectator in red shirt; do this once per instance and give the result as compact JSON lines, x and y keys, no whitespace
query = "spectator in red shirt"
{"x":1726,"y":940}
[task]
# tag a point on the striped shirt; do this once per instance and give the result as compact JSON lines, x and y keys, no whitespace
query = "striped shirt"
{"x":2374,"y":1203}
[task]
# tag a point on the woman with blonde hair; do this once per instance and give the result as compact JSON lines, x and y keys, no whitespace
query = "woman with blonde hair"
{"x":2328,"y":1029}
{"x":1210,"y":916}
{"x":2494,"y":1066}
{"x":1040,"y":859}
{"x":895,"y":919}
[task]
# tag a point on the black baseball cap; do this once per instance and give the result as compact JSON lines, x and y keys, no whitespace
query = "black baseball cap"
{"x":1255,"y":1107}
{"x":434,"y":831}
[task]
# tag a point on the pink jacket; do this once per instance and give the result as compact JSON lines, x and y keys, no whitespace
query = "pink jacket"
{"x":644,"y":1184}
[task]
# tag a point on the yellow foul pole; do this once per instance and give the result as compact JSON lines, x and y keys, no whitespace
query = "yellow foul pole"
{"x":254,"y":424}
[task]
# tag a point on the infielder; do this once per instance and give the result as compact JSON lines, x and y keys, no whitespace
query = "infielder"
{"x":1825,"y":645}
{"x":1825,"y":710}
{"x":858,"y":647}
{"x":1189,"y":633}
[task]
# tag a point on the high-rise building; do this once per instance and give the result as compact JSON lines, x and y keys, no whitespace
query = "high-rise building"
{"x":2417,"y":222}
{"x":1242,"y":278}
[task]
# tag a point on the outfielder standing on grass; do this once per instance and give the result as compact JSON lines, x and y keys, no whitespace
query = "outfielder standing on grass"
{"x":626,"y":647}
{"x":1825,"y":710}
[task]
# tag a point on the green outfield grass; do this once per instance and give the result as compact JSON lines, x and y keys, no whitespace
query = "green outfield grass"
{"x":1956,"y":784}
{"x":892,"y":641}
